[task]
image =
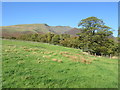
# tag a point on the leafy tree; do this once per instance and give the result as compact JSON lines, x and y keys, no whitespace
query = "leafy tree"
{"x":95,"y":36}
{"x":74,"y":42}
{"x":55,"y":39}
{"x":65,"y":42}
{"x":49,"y":37}
{"x":91,"y":25}
{"x":64,"y":36}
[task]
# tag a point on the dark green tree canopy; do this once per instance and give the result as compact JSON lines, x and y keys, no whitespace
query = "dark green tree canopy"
{"x":96,"y":35}
{"x":92,"y":25}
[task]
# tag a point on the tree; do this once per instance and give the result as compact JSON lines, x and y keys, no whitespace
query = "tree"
{"x":91,"y":25}
{"x":64,"y":36}
{"x":65,"y":42}
{"x":95,"y":36}
{"x":49,"y":37}
{"x":55,"y":39}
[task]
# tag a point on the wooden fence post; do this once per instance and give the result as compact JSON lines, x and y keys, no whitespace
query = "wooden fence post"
{"x":95,"y":54}
{"x":110,"y":56}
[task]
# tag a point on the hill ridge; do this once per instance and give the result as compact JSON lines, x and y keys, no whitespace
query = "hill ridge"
{"x":19,"y":29}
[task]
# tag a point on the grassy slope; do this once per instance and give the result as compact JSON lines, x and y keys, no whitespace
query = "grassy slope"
{"x":30,"y":64}
{"x":26,"y":27}
{"x":60,"y":29}
{"x":35,"y":28}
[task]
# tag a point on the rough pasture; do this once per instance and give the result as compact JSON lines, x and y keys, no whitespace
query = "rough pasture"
{"x":38,"y":65}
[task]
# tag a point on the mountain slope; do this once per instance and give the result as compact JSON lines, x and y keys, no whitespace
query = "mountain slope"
{"x":16,"y":30}
{"x":24,"y":28}
{"x":60,"y":29}
{"x":73,"y":31}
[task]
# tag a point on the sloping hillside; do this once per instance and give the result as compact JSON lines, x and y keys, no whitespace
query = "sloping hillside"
{"x":38,"y":65}
{"x":73,"y":31}
{"x":60,"y":29}
{"x":16,"y":30}
{"x":24,"y":28}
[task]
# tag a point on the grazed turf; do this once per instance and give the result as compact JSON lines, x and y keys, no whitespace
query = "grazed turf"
{"x":38,"y":65}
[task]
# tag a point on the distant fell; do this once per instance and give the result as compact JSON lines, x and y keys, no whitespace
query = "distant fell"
{"x":17,"y":30}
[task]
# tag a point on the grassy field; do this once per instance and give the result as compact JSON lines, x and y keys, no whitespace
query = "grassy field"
{"x":38,"y":65}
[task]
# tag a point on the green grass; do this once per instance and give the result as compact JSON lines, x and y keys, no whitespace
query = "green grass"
{"x":30,"y":65}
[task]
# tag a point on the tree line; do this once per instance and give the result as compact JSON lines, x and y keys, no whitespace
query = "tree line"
{"x":95,"y":38}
